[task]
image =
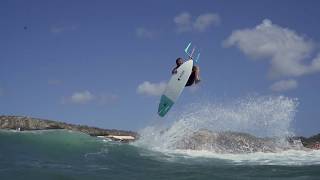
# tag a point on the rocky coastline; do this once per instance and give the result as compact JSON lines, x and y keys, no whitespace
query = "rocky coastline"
{"x":312,"y":142}
{"x":236,"y":142}
{"x":23,"y":123}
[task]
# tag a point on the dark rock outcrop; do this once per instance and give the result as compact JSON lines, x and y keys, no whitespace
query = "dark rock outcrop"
{"x":27,"y":123}
{"x":312,"y":142}
{"x":235,"y":142}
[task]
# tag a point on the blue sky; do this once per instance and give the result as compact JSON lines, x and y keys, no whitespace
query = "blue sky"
{"x":103,"y":63}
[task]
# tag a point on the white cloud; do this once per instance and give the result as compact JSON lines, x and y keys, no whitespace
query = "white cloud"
{"x":288,"y":53}
{"x":315,"y":66}
{"x":204,"y":21}
{"x":79,"y":98}
{"x":152,"y":89}
{"x":145,"y":33}
{"x":284,"y":85}
{"x":184,"y":22}
{"x":85,"y":97}
{"x":82,"y":97}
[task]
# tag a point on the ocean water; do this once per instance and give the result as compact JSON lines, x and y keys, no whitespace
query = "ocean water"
{"x":61,"y":154}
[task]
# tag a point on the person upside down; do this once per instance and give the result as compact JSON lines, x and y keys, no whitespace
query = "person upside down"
{"x":195,"y":74}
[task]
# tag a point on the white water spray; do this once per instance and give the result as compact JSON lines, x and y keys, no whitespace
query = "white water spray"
{"x":265,"y":116}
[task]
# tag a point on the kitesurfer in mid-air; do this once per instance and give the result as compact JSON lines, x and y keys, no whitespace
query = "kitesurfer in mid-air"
{"x":194,"y":77}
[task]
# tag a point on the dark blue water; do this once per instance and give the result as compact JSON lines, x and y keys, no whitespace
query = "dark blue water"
{"x":68,"y":155}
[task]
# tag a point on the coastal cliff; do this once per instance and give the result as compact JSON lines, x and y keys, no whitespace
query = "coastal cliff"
{"x":23,"y":123}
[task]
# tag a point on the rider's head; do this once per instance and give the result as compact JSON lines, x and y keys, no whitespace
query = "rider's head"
{"x":179,"y":61}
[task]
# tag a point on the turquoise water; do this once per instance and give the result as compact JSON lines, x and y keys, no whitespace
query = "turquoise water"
{"x":62,"y":155}
{"x":168,"y":149}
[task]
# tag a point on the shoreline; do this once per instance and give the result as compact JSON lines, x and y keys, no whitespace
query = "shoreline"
{"x":23,"y":123}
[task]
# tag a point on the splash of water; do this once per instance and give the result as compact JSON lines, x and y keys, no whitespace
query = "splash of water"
{"x":261,"y":116}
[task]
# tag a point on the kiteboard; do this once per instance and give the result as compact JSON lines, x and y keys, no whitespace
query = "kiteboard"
{"x":176,"y":84}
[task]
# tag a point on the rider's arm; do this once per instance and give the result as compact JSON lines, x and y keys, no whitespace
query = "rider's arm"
{"x":174,"y":71}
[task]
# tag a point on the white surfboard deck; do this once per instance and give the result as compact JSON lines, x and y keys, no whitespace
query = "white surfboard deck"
{"x":175,"y":87}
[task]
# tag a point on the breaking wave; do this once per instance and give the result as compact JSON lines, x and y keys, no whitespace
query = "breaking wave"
{"x":252,"y":124}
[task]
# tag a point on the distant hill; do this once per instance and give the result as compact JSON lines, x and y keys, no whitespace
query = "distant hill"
{"x":23,"y":123}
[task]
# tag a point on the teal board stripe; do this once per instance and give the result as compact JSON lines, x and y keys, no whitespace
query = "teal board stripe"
{"x":165,"y":105}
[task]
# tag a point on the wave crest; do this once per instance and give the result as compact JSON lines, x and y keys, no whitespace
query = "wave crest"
{"x":252,"y":124}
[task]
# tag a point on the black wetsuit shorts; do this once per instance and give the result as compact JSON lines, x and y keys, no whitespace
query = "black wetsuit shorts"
{"x":191,"y":78}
